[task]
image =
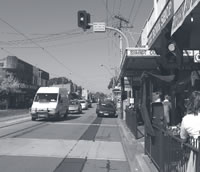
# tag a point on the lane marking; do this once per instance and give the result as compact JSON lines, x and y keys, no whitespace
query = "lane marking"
{"x":102,"y":125}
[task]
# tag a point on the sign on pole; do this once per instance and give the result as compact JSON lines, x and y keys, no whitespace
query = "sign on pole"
{"x":99,"y":27}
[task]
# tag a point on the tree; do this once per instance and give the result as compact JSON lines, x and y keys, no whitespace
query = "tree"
{"x":59,"y":80}
{"x":112,"y":82}
{"x":7,"y":86}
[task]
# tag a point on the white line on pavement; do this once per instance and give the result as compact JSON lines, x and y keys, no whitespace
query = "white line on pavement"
{"x":102,"y":125}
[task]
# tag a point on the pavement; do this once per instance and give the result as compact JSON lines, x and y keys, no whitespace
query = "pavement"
{"x":134,"y":149}
{"x":13,"y":114}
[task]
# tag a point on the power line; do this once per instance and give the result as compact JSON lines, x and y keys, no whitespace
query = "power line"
{"x":54,"y":37}
{"x":107,"y":10}
{"x":63,"y":44}
{"x":47,"y":52}
{"x":42,"y":48}
{"x":133,"y":5}
{"x":120,"y":3}
{"x":3,"y":49}
{"x":139,"y":6}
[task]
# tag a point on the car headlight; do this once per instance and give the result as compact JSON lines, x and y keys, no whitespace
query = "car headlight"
{"x":33,"y":110}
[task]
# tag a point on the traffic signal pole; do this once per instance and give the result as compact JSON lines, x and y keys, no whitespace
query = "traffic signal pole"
{"x":115,"y":29}
{"x":84,"y":23}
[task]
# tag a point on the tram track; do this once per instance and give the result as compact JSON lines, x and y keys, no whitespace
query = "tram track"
{"x":12,"y":124}
{"x":23,"y":131}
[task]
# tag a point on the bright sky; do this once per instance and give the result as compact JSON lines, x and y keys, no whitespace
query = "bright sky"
{"x":45,"y":34}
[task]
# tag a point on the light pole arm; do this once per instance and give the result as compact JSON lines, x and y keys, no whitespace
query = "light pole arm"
{"x":121,"y":33}
{"x":115,"y":29}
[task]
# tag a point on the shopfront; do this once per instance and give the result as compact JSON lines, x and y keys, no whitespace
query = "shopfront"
{"x":175,"y":72}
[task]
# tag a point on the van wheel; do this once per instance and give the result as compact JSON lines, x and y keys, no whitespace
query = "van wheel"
{"x":57,"y":117}
{"x":33,"y":118}
{"x":66,"y":115}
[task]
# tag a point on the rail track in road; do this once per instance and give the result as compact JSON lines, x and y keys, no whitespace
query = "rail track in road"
{"x":23,"y":130}
{"x":14,"y":123}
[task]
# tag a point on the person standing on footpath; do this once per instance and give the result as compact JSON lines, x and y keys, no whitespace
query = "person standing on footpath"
{"x":190,"y":126}
{"x":167,"y":109}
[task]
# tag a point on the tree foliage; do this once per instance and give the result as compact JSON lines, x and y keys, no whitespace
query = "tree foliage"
{"x":9,"y":84}
{"x":113,"y":82}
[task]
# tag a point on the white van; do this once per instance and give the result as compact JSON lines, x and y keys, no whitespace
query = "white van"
{"x":50,"y":102}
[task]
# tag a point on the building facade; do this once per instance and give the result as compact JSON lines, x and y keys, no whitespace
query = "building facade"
{"x":29,"y":78}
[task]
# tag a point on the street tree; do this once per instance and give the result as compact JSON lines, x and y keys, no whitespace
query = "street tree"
{"x":7,"y":86}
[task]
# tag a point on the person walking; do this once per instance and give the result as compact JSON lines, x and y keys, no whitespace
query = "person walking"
{"x":190,"y":126}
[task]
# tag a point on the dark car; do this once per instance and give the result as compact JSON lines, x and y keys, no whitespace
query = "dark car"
{"x":106,"y":108}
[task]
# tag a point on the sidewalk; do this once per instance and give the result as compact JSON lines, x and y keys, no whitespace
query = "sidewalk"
{"x":134,"y":150}
{"x":10,"y":113}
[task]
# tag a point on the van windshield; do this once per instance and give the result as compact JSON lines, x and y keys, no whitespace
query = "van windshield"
{"x":46,"y":97}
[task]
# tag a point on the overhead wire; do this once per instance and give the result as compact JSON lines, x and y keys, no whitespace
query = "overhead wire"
{"x":3,"y":49}
{"x":42,"y":48}
{"x":54,"y":37}
{"x":46,"y":51}
{"x":139,"y":6}
{"x":107,"y":10}
{"x":120,"y":4}
{"x":133,"y":5}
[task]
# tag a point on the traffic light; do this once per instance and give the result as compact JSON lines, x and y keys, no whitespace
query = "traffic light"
{"x":83,"y":19}
{"x":171,"y":53}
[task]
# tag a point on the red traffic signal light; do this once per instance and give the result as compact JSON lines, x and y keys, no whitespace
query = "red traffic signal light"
{"x":83,"y":19}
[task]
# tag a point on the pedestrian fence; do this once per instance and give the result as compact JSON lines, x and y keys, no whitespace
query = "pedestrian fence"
{"x":133,"y":122}
{"x":170,"y":154}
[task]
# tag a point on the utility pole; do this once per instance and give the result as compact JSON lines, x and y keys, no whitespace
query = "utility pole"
{"x":121,"y":20}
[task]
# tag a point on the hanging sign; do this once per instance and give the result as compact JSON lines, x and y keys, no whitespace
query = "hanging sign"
{"x":161,"y":22}
{"x":184,"y":10}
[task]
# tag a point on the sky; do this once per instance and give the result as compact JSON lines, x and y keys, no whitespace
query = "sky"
{"x":45,"y":34}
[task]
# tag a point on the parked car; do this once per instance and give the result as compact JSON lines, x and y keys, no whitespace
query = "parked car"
{"x":75,"y":106}
{"x":106,"y":108}
{"x":84,"y":104}
{"x":89,"y":103}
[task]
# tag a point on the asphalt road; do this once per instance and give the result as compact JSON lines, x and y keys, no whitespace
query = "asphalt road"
{"x":81,"y":143}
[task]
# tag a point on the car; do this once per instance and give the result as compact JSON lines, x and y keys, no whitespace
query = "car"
{"x":84,"y":104}
{"x":75,"y":106}
{"x":89,"y":103}
{"x":50,"y":102}
{"x":106,"y":108}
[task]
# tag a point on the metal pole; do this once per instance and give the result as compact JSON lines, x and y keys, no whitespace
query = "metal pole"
{"x":121,"y":33}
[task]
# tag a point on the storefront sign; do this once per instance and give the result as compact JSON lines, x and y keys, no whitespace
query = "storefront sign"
{"x":25,"y":86}
{"x":140,"y":52}
{"x":186,"y":7}
{"x":162,"y":21}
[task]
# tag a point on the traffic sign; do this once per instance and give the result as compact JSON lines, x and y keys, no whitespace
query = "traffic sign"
{"x":99,"y":27}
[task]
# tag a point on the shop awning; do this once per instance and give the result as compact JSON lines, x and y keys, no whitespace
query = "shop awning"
{"x":136,"y":61}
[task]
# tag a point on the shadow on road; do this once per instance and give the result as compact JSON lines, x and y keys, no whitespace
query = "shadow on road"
{"x":71,"y":117}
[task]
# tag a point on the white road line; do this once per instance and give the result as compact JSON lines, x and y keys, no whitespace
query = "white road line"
{"x":102,"y":125}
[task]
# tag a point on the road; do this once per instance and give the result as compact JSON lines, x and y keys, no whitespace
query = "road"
{"x":81,"y":143}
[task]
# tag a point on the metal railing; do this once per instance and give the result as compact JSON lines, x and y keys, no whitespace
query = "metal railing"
{"x":133,"y":122}
{"x":169,"y":153}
